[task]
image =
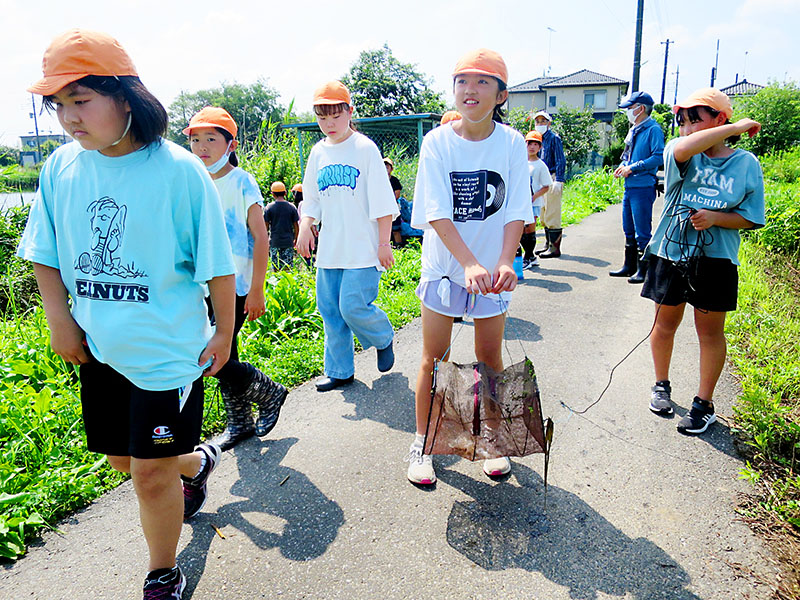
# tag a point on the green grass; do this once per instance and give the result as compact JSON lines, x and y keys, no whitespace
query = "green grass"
{"x":588,"y":193}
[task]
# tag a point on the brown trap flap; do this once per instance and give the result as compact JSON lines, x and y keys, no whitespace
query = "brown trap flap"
{"x":477,"y":413}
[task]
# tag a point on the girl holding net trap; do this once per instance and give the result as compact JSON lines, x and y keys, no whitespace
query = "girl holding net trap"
{"x":472,"y":198}
{"x":712,"y":192}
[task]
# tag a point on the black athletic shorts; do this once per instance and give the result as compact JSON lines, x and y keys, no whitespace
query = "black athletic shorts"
{"x":711,"y":284}
{"x":124,"y":420}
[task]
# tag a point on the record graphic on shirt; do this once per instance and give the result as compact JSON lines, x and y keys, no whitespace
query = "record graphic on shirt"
{"x":476,"y":194}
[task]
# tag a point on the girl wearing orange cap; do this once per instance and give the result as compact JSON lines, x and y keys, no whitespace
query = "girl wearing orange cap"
{"x":125,"y":230}
{"x":345,"y":187}
{"x":472,"y":198}
{"x":212,"y":132}
{"x":712,"y":192}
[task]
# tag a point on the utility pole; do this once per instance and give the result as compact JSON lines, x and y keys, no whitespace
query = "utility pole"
{"x":36,"y":128}
{"x":664,"y":77}
{"x":637,"y":48}
{"x":675,"y":101}
{"x":716,"y":66}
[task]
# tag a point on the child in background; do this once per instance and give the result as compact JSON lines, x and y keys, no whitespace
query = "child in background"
{"x":347,"y":190}
{"x":281,"y":218}
{"x":212,"y":133}
{"x":472,"y":231}
{"x":297,"y":197}
{"x":125,"y":230}
{"x":541,"y":181}
{"x":712,"y":191}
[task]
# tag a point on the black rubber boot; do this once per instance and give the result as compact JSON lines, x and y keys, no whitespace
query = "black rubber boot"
{"x":269,"y":396}
{"x":631,"y":262}
{"x":546,"y":243}
{"x":638,"y":277}
{"x":240,"y":420}
{"x":555,"y":245}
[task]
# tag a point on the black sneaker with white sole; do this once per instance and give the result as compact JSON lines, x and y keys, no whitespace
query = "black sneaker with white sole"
{"x":661,"y":398}
{"x":195,"y":491}
{"x":699,"y":417}
{"x":164,"y":584}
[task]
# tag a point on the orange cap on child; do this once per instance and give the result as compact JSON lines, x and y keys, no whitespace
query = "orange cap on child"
{"x":533,"y":136}
{"x":212,"y":116}
{"x":482,"y":62}
{"x":277,"y":187}
{"x":77,"y":53}
{"x":450,"y":115}
{"x":710,"y":97}
{"x":333,"y":92}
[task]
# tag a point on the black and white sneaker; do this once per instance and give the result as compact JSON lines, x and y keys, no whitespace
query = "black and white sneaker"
{"x":698,"y":418}
{"x":195,"y":492}
{"x":164,"y":584}
{"x":661,"y":398}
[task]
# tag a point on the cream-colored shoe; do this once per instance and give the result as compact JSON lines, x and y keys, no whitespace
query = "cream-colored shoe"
{"x":420,"y":466}
{"x":495,"y":467}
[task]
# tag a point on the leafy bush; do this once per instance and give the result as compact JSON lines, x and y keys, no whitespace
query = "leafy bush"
{"x":16,"y":178}
{"x":588,"y":193}
{"x":271,"y":157}
{"x":782,"y":166}
{"x":17,"y":283}
{"x":777,"y":108}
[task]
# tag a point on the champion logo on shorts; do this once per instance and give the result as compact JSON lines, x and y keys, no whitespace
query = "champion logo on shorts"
{"x":162,"y":435}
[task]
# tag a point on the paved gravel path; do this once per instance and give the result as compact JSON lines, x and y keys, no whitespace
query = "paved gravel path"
{"x":322,"y":509}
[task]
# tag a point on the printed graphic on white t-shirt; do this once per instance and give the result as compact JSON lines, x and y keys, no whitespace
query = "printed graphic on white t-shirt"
{"x":477,"y":195}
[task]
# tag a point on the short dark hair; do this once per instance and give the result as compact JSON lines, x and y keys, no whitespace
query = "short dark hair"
{"x":232,"y":158}
{"x":148,"y":115}
{"x":324,"y":110}
{"x":694,"y":117}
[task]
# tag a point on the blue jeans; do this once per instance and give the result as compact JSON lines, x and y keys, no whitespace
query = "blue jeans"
{"x":637,"y":214}
{"x":345,"y":300}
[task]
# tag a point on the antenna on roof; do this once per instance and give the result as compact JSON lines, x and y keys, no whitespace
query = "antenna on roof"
{"x":549,"y":47}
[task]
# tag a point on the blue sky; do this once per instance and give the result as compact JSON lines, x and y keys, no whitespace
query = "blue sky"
{"x":298,"y":45}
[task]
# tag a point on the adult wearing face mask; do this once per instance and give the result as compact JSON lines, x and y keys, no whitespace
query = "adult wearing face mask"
{"x":553,"y":156}
{"x":641,"y":159}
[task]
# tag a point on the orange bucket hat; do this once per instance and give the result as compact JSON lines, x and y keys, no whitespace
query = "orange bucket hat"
{"x":710,"y":97}
{"x":533,"y":136}
{"x":482,"y":62}
{"x":77,"y":53}
{"x":277,"y":187}
{"x":212,"y":116}
{"x":450,"y":115}
{"x":333,"y":92}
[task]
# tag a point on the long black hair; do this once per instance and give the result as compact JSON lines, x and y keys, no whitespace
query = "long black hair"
{"x":148,"y":115}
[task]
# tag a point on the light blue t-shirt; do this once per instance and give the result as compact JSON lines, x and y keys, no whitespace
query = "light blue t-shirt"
{"x":730,"y":184}
{"x":134,"y":238}
{"x":238,"y":191}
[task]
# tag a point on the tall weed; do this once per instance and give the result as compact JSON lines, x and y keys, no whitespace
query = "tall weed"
{"x":588,"y":193}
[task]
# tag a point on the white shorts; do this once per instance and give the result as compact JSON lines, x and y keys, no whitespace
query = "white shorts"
{"x":452,"y":300}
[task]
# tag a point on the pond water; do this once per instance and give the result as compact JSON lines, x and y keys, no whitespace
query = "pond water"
{"x":15,"y":199}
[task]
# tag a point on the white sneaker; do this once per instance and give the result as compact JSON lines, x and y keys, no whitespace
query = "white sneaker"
{"x":495,"y":467}
{"x":420,"y":467}
{"x":534,"y":262}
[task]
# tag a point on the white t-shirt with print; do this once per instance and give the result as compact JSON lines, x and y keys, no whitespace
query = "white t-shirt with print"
{"x":540,"y":177}
{"x":345,"y":187}
{"x":134,"y":238}
{"x":238,"y":191}
{"x":480,"y":186}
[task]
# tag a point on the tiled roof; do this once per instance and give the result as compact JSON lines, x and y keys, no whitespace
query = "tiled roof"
{"x":742,"y":88}
{"x":531,"y":86}
{"x":584,"y":77}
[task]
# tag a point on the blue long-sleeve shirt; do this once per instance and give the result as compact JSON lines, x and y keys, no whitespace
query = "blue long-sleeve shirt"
{"x":645,"y":154}
{"x":553,"y":155}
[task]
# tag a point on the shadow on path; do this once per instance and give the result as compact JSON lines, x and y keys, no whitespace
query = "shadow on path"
{"x":312,"y":520}
{"x":505,"y":527}
{"x":390,"y":401}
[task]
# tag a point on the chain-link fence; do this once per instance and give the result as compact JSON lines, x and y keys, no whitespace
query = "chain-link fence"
{"x":395,"y":136}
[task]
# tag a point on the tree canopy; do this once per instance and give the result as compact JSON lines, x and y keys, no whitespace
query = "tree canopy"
{"x":381,"y":85}
{"x":777,"y":108}
{"x":249,"y":105}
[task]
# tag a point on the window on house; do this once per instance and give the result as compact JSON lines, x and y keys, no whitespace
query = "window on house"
{"x":551,"y":101}
{"x":594,"y":99}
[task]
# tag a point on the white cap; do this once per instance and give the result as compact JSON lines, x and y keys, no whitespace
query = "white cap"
{"x":544,"y":114}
